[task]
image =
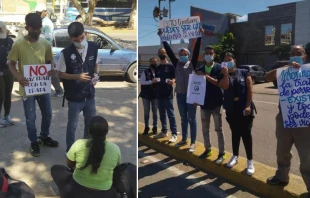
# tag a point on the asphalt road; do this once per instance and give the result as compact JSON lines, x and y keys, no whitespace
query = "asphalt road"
{"x":264,"y":148}
{"x":162,"y":176}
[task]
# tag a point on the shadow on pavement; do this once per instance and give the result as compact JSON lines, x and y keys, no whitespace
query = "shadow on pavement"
{"x":117,"y":105}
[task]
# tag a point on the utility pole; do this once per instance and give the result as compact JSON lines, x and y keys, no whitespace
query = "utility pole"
{"x":170,"y":11}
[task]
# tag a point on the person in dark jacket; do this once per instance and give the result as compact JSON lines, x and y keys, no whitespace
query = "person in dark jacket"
{"x":148,"y":95}
{"x":183,"y":68}
{"x":78,"y":67}
{"x":6,"y":77}
{"x":239,"y":109}
{"x":215,"y":75}
{"x":164,"y":79}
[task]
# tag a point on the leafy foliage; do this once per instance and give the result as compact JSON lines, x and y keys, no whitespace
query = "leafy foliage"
{"x":227,"y":44}
{"x":282,"y":52}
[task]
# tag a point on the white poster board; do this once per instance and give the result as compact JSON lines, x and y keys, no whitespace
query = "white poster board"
{"x":294,"y":94}
{"x":196,"y":89}
{"x":182,"y":28}
{"x":39,"y":81}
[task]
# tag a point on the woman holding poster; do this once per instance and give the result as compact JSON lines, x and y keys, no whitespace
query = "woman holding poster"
{"x":183,"y":68}
{"x":239,"y":109}
{"x":286,"y":137}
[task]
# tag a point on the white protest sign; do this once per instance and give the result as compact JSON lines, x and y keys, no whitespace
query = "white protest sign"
{"x":39,"y":81}
{"x":177,"y":29}
{"x":196,"y":89}
{"x":294,"y":94}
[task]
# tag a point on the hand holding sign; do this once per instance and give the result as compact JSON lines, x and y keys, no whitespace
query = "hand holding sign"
{"x":52,"y":72}
{"x":160,"y":32}
{"x":23,"y":82}
{"x":224,"y":71}
{"x":294,"y":65}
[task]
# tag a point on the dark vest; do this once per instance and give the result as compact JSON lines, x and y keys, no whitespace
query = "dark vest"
{"x":214,"y":94}
{"x":148,"y":91}
{"x":229,"y":94}
{"x":77,"y":91}
{"x":5,"y":47}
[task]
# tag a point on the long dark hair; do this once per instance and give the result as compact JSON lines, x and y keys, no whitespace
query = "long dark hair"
{"x":98,"y":129}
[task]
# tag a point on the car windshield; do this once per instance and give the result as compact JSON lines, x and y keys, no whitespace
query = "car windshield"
{"x":115,"y":40}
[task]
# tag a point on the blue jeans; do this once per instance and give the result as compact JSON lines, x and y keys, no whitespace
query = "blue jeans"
{"x":89,"y":110}
{"x":44,"y":102}
{"x":147,"y":108}
{"x":166,"y":105}
{"x":188,"y":115}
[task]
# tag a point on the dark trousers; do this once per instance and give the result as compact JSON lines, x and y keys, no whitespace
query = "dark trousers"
{"x":241,"y":127}
{"x":166,"y":105}
{"x":6,"y":86}
{"x":69,"y":188}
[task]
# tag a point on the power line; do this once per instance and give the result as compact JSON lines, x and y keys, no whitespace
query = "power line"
{"x":147,"y":34}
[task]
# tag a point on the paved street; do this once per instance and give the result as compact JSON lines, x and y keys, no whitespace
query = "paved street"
{"x":162,"y":176}
{"x":115,"y":100}
{"x":263,"y":130}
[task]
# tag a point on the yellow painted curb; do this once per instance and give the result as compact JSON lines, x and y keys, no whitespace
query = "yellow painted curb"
{"x":256,"y":183}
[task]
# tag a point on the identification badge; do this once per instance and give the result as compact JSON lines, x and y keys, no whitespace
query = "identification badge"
{"x":157,"y":79}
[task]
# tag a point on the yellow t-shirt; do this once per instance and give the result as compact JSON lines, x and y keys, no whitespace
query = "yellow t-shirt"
{"x":27,"y":53}
{"x":104,"y":178}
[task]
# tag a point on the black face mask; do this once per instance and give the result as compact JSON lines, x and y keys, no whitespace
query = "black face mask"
{"x":34,"y":35}
{"x":162,"y":57}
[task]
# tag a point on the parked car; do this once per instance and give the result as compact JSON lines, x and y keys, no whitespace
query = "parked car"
{"x":278,"y":65}
{"x":115,"y":60}
{"x":258,"y":73}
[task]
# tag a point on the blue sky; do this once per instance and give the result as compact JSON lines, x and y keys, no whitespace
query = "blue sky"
{"x":147,"y":29}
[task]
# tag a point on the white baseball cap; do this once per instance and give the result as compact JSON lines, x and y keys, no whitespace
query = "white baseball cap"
{"x":3,"y":30}
{"x":40,"y":7}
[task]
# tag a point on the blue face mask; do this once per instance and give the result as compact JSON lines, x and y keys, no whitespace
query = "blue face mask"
{"x":184,"y":59}
{"x":230,"y":65}
{"x":297,"y":59}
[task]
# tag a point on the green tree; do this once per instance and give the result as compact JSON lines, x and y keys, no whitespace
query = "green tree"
{"x":227,"y":44}
{"x":282,"y":52}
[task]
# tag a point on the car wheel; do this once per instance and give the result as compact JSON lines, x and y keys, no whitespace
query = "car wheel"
{"x":132,"y":73}
{"x":253,"y":81}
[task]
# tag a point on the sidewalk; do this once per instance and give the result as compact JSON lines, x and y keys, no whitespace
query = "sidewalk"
{"x":116,"y":101}
{"x":236,"y":175}
{"x":265,"y":88}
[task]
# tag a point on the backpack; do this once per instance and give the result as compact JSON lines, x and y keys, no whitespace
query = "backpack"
{"x":125,"y":180}
{"x":17,"y":189}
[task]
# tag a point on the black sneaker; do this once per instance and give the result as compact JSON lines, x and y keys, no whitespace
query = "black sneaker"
{"x":205,"y":154}
{"x":47,"y":142}
{"x":154,"y":130}
{"x":275,"y":181}
{"x":146,"y":130}
{"x":35,"y":149}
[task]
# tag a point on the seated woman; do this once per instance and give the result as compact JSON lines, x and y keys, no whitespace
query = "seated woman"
{"x":93,"y":161}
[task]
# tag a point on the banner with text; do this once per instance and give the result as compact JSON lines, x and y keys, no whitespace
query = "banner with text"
{"x":196,"y":89}
{"x":177,"y":29}
{"x":294,"y":94}
{"x":39,"y":81}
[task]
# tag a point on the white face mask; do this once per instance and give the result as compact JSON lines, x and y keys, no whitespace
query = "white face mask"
{"x":80,"y":45}
{"x":209,"y":58}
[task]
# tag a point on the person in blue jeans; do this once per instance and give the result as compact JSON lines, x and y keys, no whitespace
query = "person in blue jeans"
{"x":148,"y":95}
{"x":164,"y":79}
{"x":33,"y":50}
{"x":78,"y":67}
{"x":183,"y":68}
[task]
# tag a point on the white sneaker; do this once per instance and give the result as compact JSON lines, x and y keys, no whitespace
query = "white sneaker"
{"x":233,"y":161}
{"x":192,"y":148}
{"x":3,"y":123}
{"x":160,"y":135}
{"x":173,"y":138}
{"x":251,"y":169}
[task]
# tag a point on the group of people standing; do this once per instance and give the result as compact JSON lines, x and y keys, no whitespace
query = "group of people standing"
{"x":92,"y":160}
{"x":226,"y":86}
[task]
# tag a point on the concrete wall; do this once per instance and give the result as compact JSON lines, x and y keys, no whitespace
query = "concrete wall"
{"x":250,"y":35}
{"x":302,"y":27}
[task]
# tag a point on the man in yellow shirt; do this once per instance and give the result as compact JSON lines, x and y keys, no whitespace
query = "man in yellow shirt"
{"x":33,"y":50}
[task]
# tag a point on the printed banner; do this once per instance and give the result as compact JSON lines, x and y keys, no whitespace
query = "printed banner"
{"x":196,"y":89}
{"x":39,"y":81}
{"x":177,"y":29}
{"x":294,"y":94}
